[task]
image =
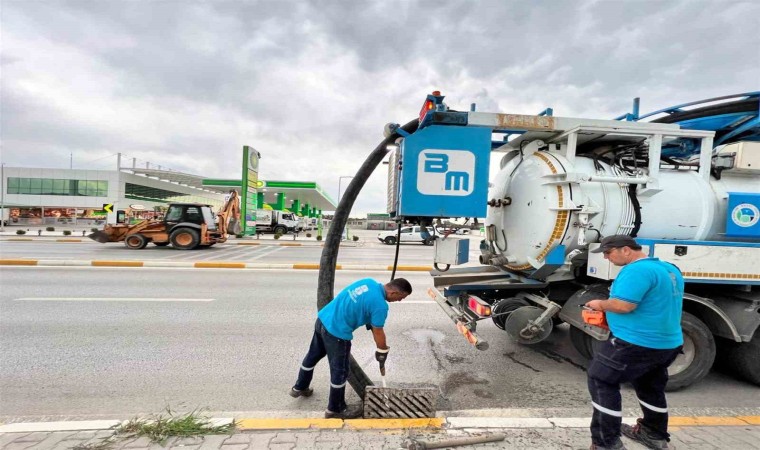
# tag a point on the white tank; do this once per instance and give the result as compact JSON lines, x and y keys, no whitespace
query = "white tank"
{"x":544,"y":211}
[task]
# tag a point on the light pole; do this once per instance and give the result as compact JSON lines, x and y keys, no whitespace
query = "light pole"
{"x":339,"y":181}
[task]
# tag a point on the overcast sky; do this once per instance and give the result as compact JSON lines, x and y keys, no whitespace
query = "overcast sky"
{"x":185,"y":84}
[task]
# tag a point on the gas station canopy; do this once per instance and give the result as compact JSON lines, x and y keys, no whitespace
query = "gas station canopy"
{"x":306,"y":192}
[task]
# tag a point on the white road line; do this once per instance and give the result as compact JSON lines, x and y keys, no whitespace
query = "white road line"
{"x":228,"y":254}
{"x":110,"y":299}
{"x":276,"y":249}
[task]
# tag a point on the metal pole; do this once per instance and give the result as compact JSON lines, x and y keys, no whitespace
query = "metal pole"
{"x":2,"y":197}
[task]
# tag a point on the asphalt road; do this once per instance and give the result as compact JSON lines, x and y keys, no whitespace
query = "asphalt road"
{"x":101,"y":342}
{"x":367,"y":251}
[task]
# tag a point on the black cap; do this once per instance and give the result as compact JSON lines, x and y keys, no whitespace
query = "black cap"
{"x":617,"y":241}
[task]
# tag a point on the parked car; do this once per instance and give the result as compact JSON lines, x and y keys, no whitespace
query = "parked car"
{"x":408,"y":234}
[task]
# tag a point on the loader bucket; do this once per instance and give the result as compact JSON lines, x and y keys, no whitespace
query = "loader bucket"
{"x":100,"y":236}
{"x":234,"y":227}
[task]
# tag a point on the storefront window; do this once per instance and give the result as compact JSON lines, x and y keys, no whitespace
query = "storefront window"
{"x":57,"y":186}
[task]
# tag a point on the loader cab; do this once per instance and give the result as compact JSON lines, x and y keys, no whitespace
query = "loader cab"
{"x":190,"y":213}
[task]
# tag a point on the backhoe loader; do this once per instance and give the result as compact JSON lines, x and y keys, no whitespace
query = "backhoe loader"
{"x":185,"y":226}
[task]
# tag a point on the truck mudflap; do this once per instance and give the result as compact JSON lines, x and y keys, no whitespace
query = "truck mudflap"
{"x":464,"y":317}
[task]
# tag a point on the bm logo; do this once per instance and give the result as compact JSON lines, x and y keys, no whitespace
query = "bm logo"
{"x":446,"y":172}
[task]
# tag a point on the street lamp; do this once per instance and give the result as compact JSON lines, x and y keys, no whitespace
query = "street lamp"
{"x":339,"y":181}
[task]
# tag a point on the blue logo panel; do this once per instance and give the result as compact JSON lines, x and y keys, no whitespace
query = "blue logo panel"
{"x":743,"y":215}
{"x":445,"y":172}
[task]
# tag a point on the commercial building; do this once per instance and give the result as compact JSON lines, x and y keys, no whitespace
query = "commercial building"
{"x":76,"y":197}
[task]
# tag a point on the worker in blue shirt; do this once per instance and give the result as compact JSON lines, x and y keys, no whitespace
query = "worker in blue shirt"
{"x":644,"y":316}
{"x":362,"y":303}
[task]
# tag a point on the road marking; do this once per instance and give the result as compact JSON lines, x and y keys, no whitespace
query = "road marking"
{"x":265,"y":253}
{"x":110,"y":299}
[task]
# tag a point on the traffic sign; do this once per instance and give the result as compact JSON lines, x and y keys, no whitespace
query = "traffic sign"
{"x":108,"y":207}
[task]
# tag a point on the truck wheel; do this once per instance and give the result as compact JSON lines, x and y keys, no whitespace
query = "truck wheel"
{"x":184,"y":238}
{"x":582,"y":342}
{"x":698,"y":354}
{"x":160,"y":244}
{"x":136,"y":241}
{"x":743,"y":358}
{"x":501,"y":310}
{"x":390,"y":240}
{"x":280,"y":230}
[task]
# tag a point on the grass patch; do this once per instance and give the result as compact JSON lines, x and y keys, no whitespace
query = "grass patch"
{"x":160,"y":427}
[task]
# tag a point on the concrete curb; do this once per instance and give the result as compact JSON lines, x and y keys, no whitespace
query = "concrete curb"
{"x":252,"y":424}
{"x":201,"y":265}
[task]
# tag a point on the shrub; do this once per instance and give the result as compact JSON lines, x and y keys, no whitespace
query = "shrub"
{"x":319,"y":237}
{"x":50,"y":229}
{"x":239,"y":236}
{"x":93,"y":229}
{"x":67,"y":232}
{"x":277,"y":235}
{"x":356,"y":238}
{"x":20,"y":232}
{"x":308,"y":234}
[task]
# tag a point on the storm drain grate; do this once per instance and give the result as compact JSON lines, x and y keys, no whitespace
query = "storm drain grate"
{"x":393,"y":403}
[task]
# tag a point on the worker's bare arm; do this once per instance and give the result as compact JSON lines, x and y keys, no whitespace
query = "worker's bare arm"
{"x":612,"y":305}
{"x":379,"y":334}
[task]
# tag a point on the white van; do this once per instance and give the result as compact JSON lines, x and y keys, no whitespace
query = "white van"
{"x":408,"y":234}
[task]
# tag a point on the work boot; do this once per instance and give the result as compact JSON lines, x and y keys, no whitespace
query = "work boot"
{"x":616,"y":446}
{"x":639,"y":434}
{"x":295,"y":393}
{"x":348,"y":413}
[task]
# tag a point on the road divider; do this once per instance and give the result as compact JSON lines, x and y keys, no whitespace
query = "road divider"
{"x":202,"y":265}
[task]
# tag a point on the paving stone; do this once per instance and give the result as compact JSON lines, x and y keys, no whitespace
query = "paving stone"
{"x":282,"y":446}
{"x":729,"y":437}
{"x":19,"y":445}
{"x":238,"y":447}
{"x":241,"y":438}
{"x":140,"y":442}
{"x":214,"y":441}
{"x":187,"y":441}
{"x":283,"y":438}
{"x":186,"y":447}
{"x":52,"y":440}
{"x":260,"y":440}
{"x":7,"y":438}
{"x":33,"y":437}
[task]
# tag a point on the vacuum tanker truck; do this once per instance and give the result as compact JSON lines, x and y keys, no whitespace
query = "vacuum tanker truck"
{"x":686,"y":186}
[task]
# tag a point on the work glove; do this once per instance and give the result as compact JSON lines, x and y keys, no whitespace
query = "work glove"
{"x":381,"y":355}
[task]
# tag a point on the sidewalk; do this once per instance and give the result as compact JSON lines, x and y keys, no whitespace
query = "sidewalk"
{"x":521,"y":433}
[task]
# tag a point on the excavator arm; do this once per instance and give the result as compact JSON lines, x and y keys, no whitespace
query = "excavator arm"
{"x":228,"y":218}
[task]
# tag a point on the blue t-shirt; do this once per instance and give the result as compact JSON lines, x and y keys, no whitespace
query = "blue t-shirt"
{"x":360,"y":303}
{"x":656,"y":288}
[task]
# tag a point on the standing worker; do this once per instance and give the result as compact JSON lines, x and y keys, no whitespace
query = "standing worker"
{"x":644,"y":316}
{"x":363,"y":303}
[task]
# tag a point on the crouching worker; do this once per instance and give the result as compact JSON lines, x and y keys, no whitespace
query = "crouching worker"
{"x":363,"y":303}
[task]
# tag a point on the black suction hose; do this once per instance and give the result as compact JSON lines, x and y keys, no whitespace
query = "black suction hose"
{"x":325,"y":293}
{"x":395,"y":258}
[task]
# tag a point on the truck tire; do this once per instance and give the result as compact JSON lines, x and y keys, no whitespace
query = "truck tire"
{"x":184,"y":238}
{"x":390,"y":240}
{"x":136,"y":241}
{"x":744,"y":358}
{"x":279,"y":229}
{"x":501,"y":310}
{"x":582,"y":342}
{"x":698,"y":354}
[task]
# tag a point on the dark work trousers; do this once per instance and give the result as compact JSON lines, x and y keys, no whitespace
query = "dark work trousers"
{"x":337,"y":351}
{"x":617,"y":362}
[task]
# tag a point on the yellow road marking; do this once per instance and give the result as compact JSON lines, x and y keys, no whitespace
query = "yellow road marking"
{"x":290,"y":245}
{"x":362,"y":424}
{"x":68,"y":240}
{"x":248,"y":243}
{"x":219,"y":265}
{"x":20,"y":239}
{"x":752,"y":420}
{"x":117,"y":263}
{"x":706,"y":421}
{"x":18,"y":262}
{"x":275,"y":424}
